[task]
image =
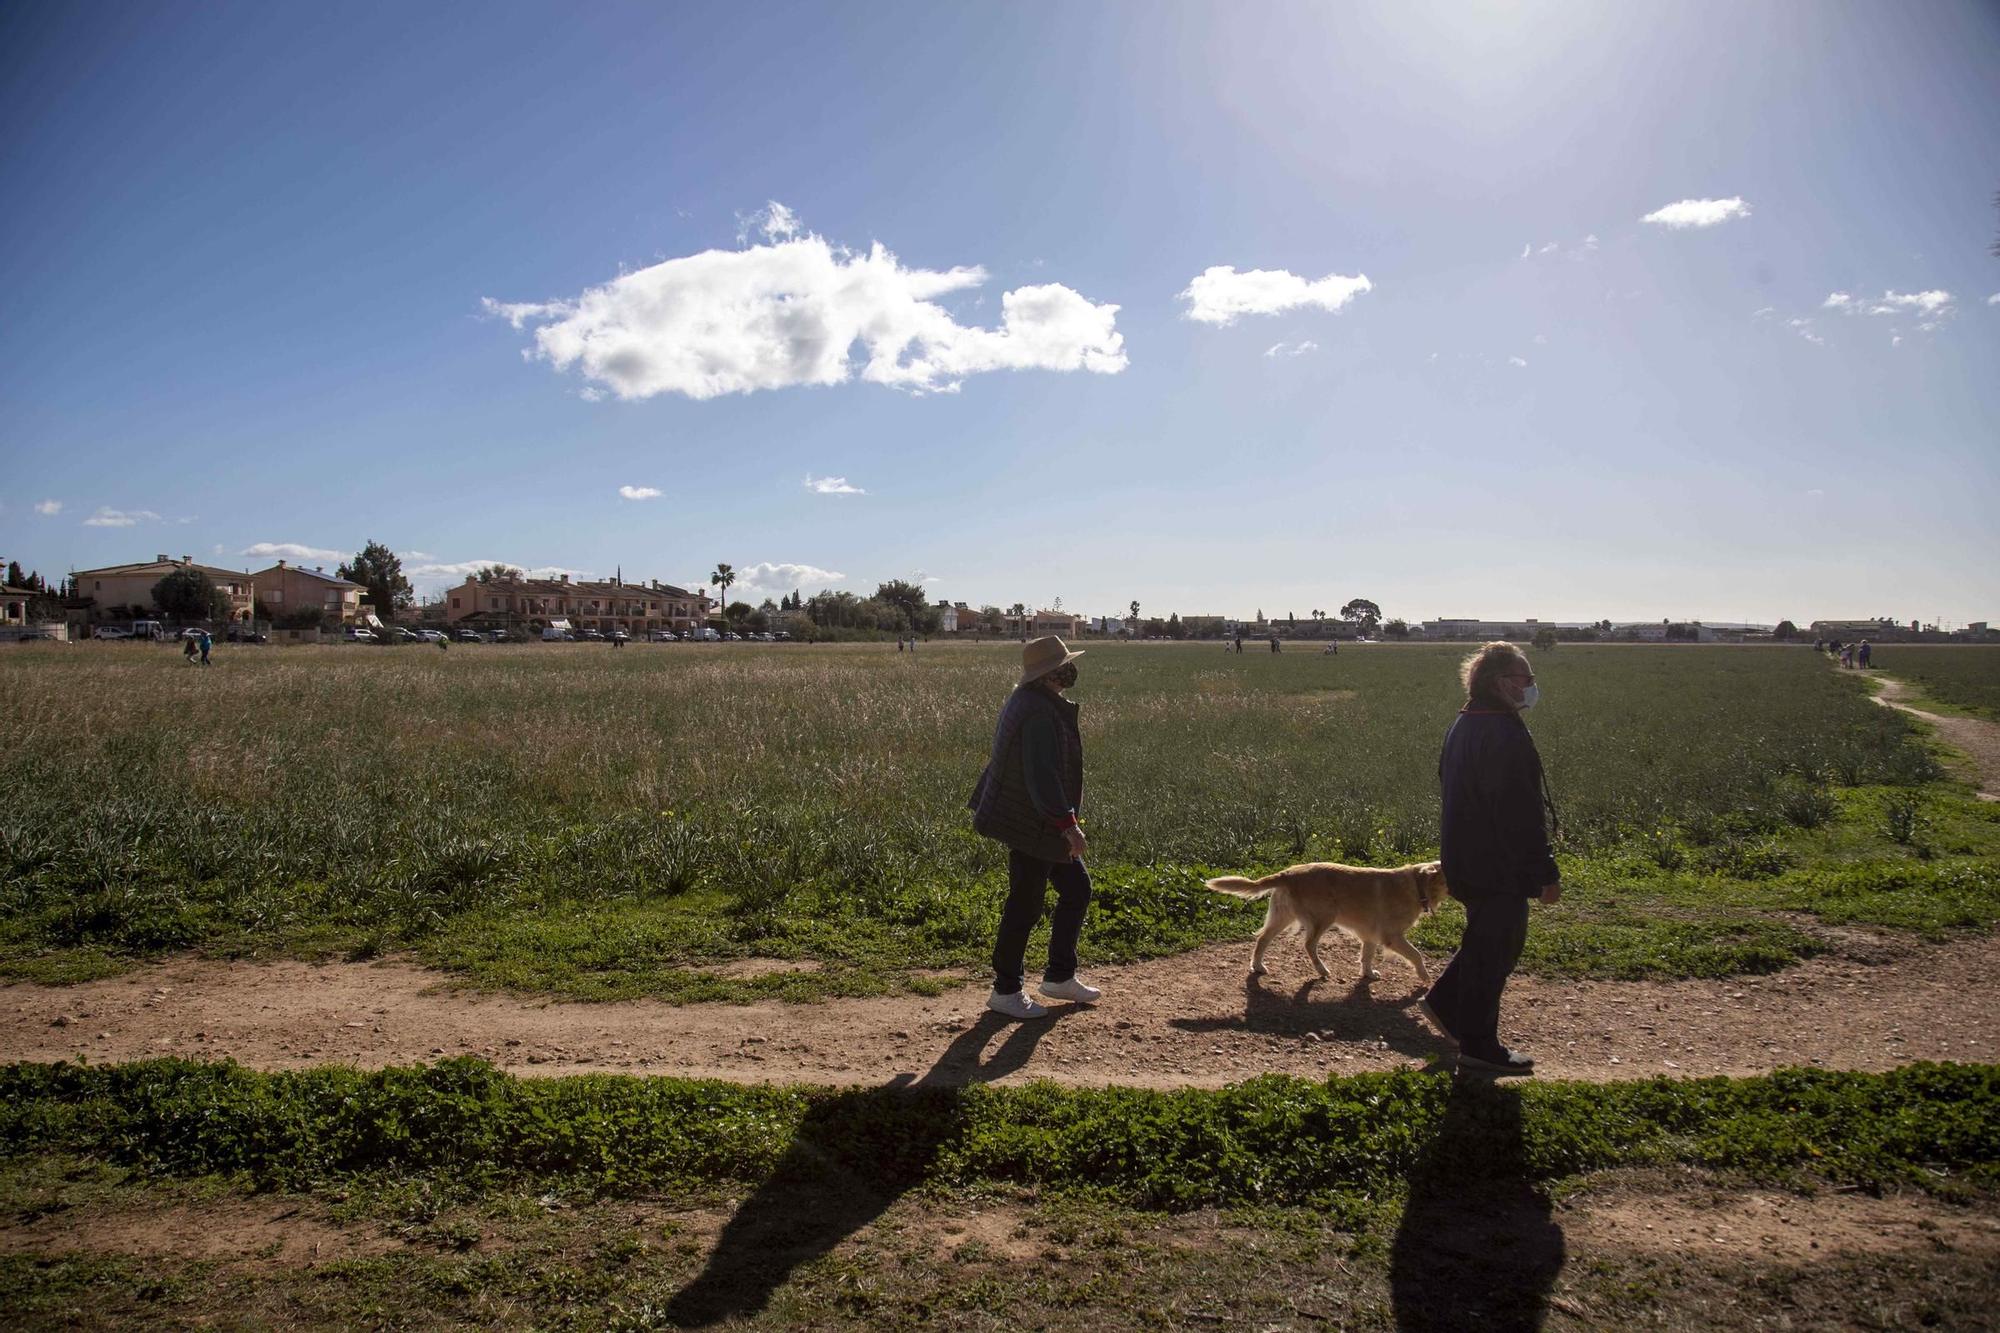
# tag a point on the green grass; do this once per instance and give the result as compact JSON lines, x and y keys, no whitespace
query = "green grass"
{"x":604,"y":825}
{"x":1960,"y":678}
{"x":1270,"y":1141}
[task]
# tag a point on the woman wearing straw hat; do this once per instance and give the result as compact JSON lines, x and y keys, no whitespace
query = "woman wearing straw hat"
{"x":1028,"y":799}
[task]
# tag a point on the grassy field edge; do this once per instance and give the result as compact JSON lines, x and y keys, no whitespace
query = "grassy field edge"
{"x":1269,"y":1141}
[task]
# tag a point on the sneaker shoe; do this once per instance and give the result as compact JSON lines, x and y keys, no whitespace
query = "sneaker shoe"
{"x":1016,"y":1004}
{"x":1430,"y":1016}
{"x":1071,"y":990}
{"x":1497,"y":1061}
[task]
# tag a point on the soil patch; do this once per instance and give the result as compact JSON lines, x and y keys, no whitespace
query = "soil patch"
{"x":262,"y":1233}
{"x":1197,"y":1020}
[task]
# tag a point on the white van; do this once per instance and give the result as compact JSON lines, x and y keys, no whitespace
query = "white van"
{"x":148,"y":629}
{"x":554,"y":635}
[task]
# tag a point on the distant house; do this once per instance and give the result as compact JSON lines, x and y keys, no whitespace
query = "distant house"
{"x":956,"y":618}
{"x":116,"y":587}
{"x":14,"y":605}
{"x":285,"y":589}
{"x":1055,"y":622}
{"x":522,"y":603}
{"x":1846,"y":631}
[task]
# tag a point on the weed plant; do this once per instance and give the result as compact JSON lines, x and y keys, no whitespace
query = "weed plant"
{"x":602,"y":823}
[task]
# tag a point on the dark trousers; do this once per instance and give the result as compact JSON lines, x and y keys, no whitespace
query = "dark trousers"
{"x":1466,"y":998}
{"x":1027,"y":879}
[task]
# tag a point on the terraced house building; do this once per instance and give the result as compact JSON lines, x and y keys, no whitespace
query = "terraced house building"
{"x":286,"y":590}
{"x":524,"y":605}
{"x":117,"y":592}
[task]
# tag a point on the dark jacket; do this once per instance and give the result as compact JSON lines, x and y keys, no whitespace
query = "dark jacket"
{"x":1496,"y":841}
{"x":1033,"y":783}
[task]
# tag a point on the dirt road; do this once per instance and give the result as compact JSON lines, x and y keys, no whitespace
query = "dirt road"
{"x":1193,"y":1021}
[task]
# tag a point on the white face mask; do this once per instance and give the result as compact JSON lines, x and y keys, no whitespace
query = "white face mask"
{"x":1530,"y":695}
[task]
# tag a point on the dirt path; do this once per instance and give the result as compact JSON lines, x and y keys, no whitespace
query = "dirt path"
{"x":1979,"y":738}
{"x":1192,"y":1021}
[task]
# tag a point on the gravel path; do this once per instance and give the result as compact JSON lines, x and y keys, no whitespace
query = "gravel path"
{"x":1979,"y":738}
{"x":1193,"y":1021}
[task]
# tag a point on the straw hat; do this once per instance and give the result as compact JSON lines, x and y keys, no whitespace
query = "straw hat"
{"x":1043,"y":655}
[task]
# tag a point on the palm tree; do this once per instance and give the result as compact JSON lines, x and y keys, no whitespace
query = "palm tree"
{"x":1135,"y":614}
{"x":723,"y":576}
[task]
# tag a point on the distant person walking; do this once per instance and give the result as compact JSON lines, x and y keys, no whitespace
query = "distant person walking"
{"x":1863,"y":653}
{"x":1028,"y":798}
{"x":189,"y":648}
{"x":1496,"y":851}
{"x":206,"y":644}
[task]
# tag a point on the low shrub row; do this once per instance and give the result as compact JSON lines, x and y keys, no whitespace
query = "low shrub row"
{"x":1271,"y":1140}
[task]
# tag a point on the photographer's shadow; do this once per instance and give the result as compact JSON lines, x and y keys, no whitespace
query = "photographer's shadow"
{"x":1477,"y":1246}
{"x":1338,"y":1012}
{"x":841,"y":1171}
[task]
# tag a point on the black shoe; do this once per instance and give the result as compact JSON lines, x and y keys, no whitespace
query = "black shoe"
{"x":1499,"y":1060}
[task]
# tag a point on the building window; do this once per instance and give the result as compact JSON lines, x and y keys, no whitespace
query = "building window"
{"x":454,"y":603}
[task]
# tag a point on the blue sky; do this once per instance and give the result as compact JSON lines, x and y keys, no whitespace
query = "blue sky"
{"x":452,"y":276}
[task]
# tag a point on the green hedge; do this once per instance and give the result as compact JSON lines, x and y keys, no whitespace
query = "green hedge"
{"x":1272,"y":1140}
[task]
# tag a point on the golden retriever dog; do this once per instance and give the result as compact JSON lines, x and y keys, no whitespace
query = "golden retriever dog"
{"x":1374,"y":906}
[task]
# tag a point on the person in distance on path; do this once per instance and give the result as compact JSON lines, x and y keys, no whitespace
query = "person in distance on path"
{"x":1496,"y":852}
{"x":1027,"y":799}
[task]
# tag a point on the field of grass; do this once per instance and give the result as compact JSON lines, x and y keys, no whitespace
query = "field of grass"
{"x":1962,"y":677}
{"x":600,"y":823}
{"x":1386,"y":1200}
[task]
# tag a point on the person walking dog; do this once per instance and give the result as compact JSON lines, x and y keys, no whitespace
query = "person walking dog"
{"x":1496,"y":852}
{"x":1027,"y":799}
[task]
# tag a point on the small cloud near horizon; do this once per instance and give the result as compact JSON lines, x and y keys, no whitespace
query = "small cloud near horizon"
{"x":639,"y":492}
{"x":48,"y":507}
{"x":1698,"y":213}
{"x":291,"y":551}
{"x":831,"y":486}
{"x":107,"y":517}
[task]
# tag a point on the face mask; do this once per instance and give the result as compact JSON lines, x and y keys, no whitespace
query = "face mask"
{"x":1530,"y":695}
{"x":1063,"y":676}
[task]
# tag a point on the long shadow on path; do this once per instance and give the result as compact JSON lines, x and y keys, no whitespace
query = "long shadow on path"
{"x":1477,"y":1247}
{"x":841,"y":1173}
{"x":1353,"y":1014}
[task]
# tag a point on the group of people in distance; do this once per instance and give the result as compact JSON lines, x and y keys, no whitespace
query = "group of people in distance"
{"x":1495,"y":833}
{"x":1849,"y":655}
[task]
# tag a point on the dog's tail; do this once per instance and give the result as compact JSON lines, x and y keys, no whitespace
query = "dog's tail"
{"x":1238,"y":887}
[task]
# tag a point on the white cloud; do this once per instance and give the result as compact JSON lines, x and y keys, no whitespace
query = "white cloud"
{"x":1764,"y":313}
{"x":781,"y":577}
{"x":1527,"y":248}
{"x":291,"y":551}
{"x":1895,"y":340}
{"x":1221,"y":294}
{"x":790,"y":313}
{"x":48,"y":506}
{"x":1292,"y":349}
{"x":1932,"y":308}
{"x":106,"y":517}
{"x":831,"y":486}
{"x":639,"y":492}
{"x":1698,"y":213}
{"x":1804,"y":328}
{"x":1993,"y":299}
{"x":773,"y":220}
{"x":1516,"y":361}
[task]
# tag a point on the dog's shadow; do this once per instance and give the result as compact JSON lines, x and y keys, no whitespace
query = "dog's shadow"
{"x":1337,"y":1013}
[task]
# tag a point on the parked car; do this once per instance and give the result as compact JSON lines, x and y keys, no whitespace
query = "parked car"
{"x":111,"y":632}
{"x":591,"y":634}
{"x":357,"y":634}
{"x":237,"y":634}
{"x":662,"y":636}
{"x":498,"y":636}
{"x":148,"y":629}
{"x":470,"y":636}
{"x":554,"y":635}
{"x":619,"y":636}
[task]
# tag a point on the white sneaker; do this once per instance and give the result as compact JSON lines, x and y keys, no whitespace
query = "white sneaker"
{"x":1071,"y":990}
{"x":1016,"y":1005}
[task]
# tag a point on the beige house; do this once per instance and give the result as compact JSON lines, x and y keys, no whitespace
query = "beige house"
{"x":524,"y":604}
{"x":1055,"y":622}
{"x":14,"y":605}
{"x":284,"y":589}
{"x":129,"y":588}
